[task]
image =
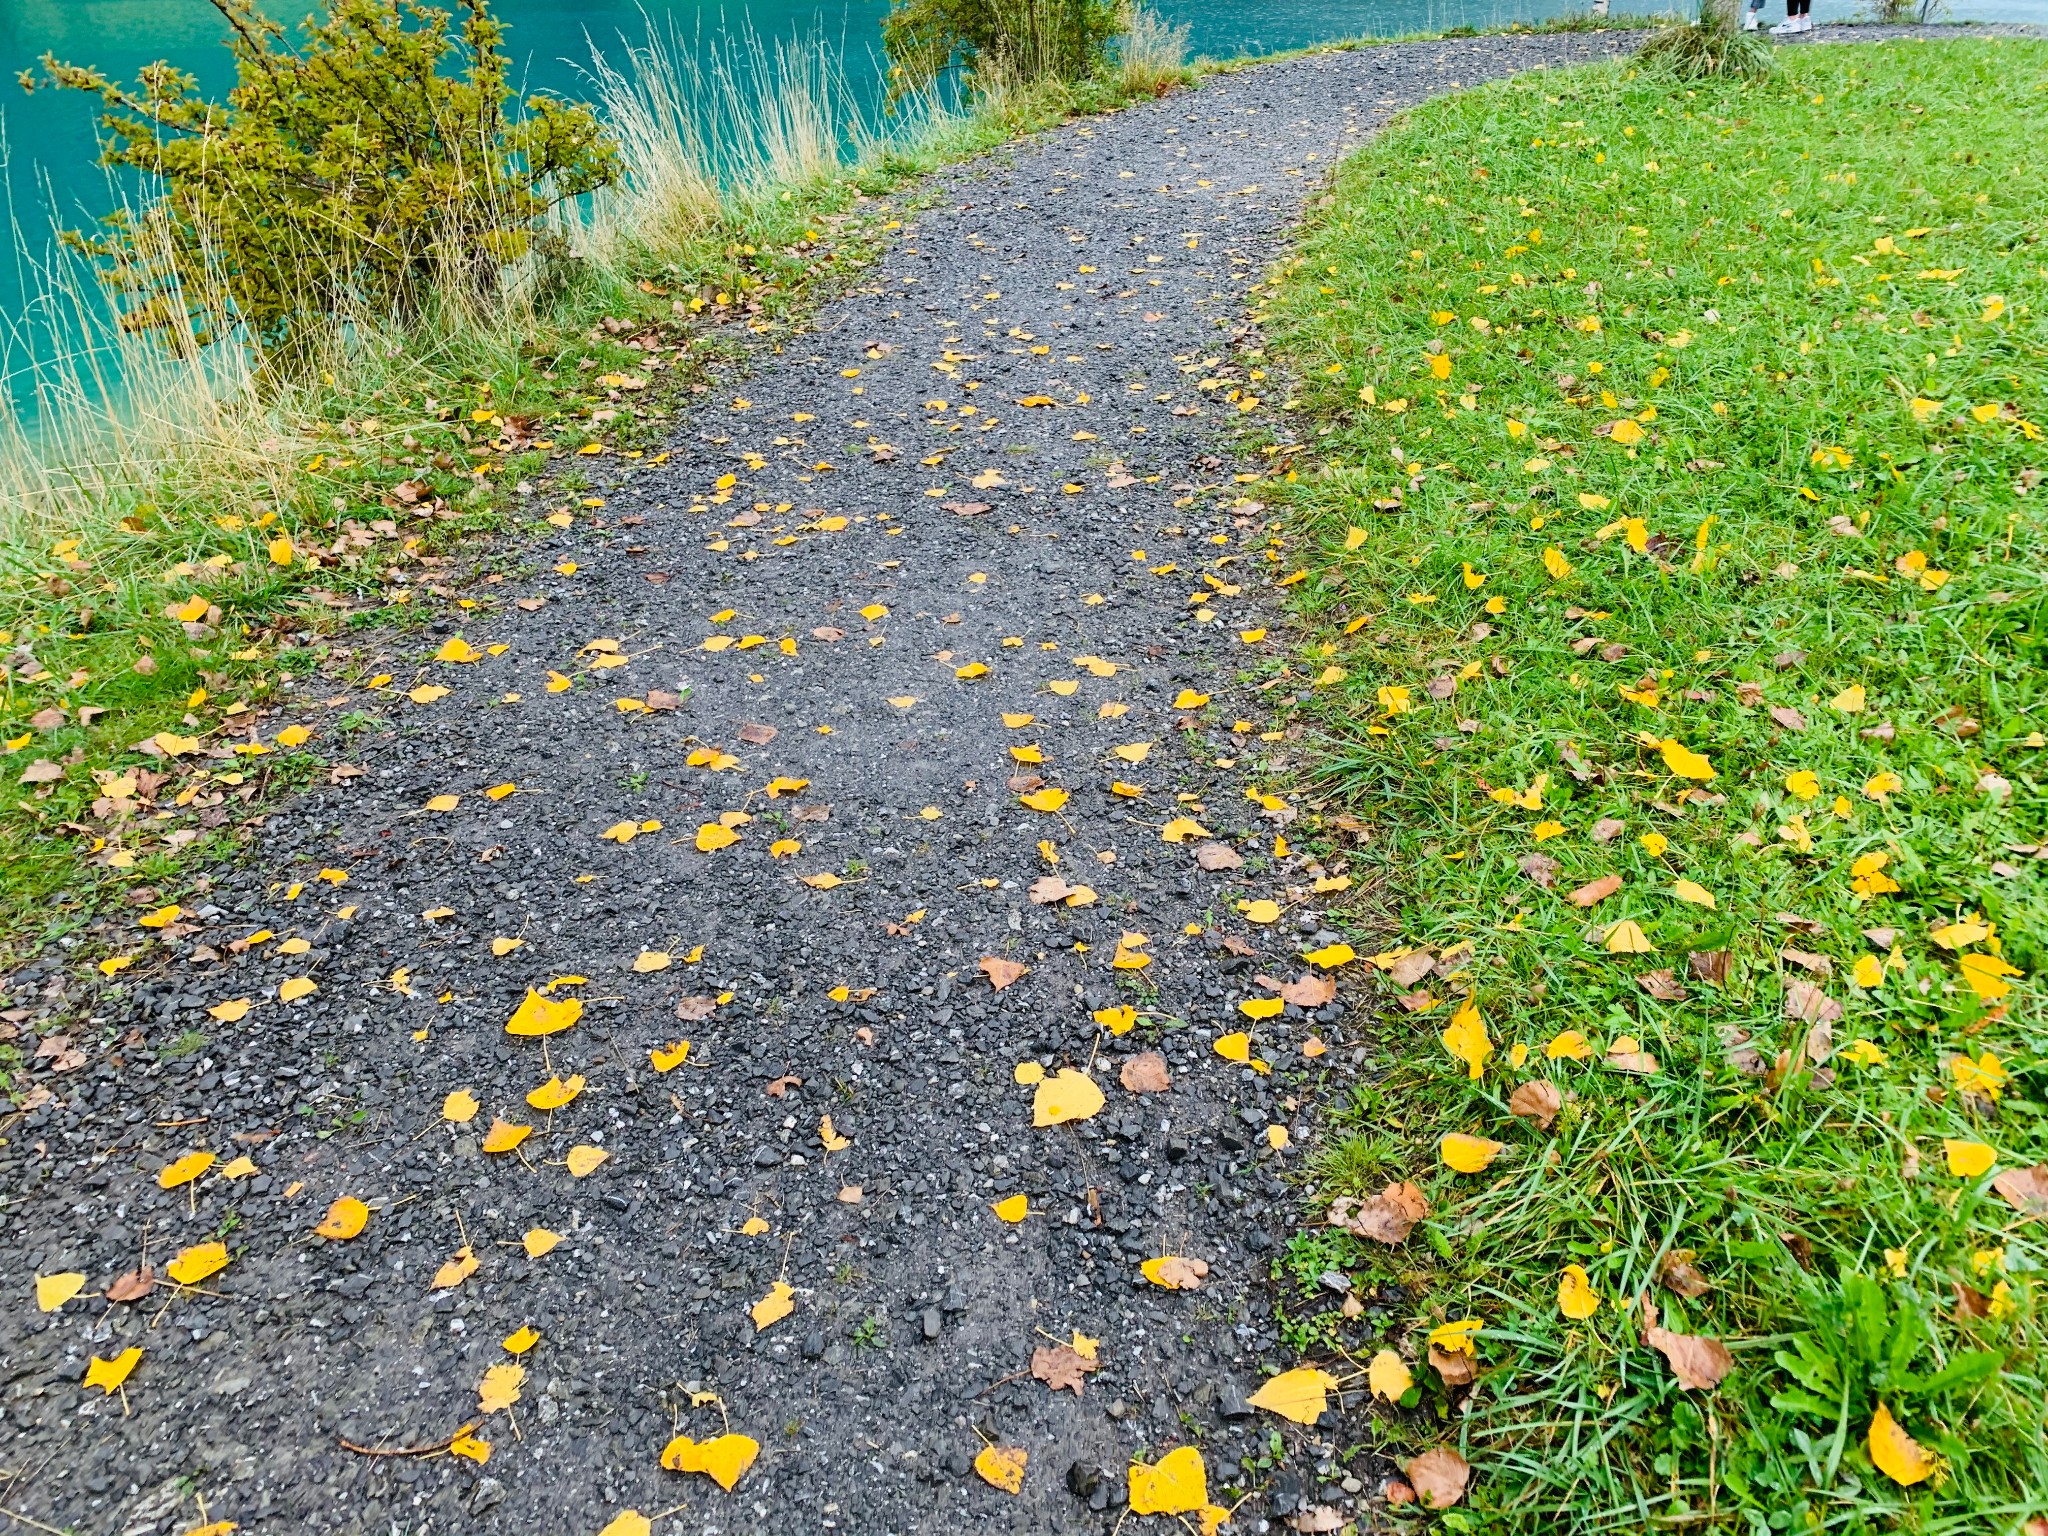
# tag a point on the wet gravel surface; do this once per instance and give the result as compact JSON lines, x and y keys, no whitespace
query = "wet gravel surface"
{"x":1103,"y":269}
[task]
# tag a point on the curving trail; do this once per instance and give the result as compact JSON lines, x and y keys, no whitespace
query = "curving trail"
{"x":1102,"y":268}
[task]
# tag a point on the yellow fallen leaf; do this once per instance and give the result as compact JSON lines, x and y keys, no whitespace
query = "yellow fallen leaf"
{"x":345,"y":1218}
{"x":500,"y":1388}
{"x":444,"y":802}
{"x":1177,"y":1484}
{"x":1330,"y":956}
{"x":714,"y":835}
{"x":520,"y":1342}
{"x":293,"y":988}
{"x":1692,"y":891}
{"x":1180,"y":829}
{"x":538,"y":1241}
{"x":460,"y":1107}
{"x":233,"y":1011}
{"x":1627,"y":938}
{"x":554,"y":1093}
{"x":504,"y":1136}
{"x":1897,"y":1454}
{"x":1068,"y":1095}
{"x":668,"y":1058}
{"x":456,"y":1270}
{"x":1002,"y":1466}
{"x":1468,"y":1154}
{"x":1388,"y":1376}
{"x":584,"y":1161}
{"x":1299,"y":1395}
{"x":52,"y":1291}
{"x":537,"y":1015}
{"x":1576,"y":1298}
{"x":774,"y":1307}
{"x":1045,"y":800}
{"x":628,"y":1522}
{"x":1262,"y":911}
{"x":1465,"y":1038}
{"x":1236,"y":1046}
{"x":1968,"y":1159}
{"x":184,"y":1170}
{"x":724,"y":1460}
{"x":830,"y":1139}
{"x":1013,"y":1210}
{"x":108,"y":1375}
{"x":1685,"y":762}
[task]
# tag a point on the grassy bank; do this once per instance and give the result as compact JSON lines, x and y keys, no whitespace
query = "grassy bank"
{"x":186,"y":532}
{"x":1669,"y":501}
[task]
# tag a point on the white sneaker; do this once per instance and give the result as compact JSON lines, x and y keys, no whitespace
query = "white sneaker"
{"x":1751,"y":21}
{"x":1806,"y":23}
{"x":1786,"y":27}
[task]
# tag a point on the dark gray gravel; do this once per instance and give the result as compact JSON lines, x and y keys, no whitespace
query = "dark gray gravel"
{"x":915,"y":1308}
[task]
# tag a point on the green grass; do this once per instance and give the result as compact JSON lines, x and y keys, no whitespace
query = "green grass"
{"x":1817,"y":303}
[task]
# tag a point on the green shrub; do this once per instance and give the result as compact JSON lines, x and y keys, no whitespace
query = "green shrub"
{"x":995,"y":40}
{"x":360,"y":174}
{"x":1714,"y":45}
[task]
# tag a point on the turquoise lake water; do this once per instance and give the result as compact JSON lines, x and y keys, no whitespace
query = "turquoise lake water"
{"x":49,"y":139}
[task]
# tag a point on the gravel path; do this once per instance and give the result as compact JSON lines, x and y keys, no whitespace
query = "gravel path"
{"x":1102,"y":271}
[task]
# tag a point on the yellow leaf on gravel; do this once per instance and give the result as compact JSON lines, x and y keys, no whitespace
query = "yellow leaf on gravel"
{"x":1012,"y":1210}
{"x":830,"y":1139}
{"x":1262,"y":1007}
{"x":554,"y":1093}
{"x":774,"y":1307}
{"x":233,"y":1011}
{"x":1177,"y":1484}
{"x":501,"y":947}
{"x":522,"y":1341}
{"x":504,"y":1136}
{"x":1330,"y":956}
{"x":1465,"y":1038}
{"x":1187,"y":698}
{"x":584,"y":1161}
{"x":459,"y":650}
{"x":1067,"y":1095}
{"x":1897,"y":1454}
{"x":1468,"y":1154}
{"x":628,"y":1522}
{"x":713,"y":835}
{"x":460,"y":1107}
{"x":197,"y":1262}
{"x":538,"y":1241}
{"x":821,"y":882}
{"x":296,"y":987}
{"x":1262,"y":911}
{"x":52,"y":1291}
{"x":1576,"y":1298}
{"x":500,"y":1388}
{"x":537,"y":1015}
{"x":1300,"y":1395}
{"x":1692,"y":891}
{"x":1134,"y":752}
{"x":465,"y":1445}
{"x":1236,"y":1046}
{"x":1118,"y":1019}
{"x":1027,"y":1073}
{"x":1968,"y":1159}
{"x":345,"y":1218}
{"x":1388,"y":1376}
{"x":426,"y":693}
{"x":456,"y":1270}
{"x":108,"y":1375}
{"x":651,"y":960}
{"x":184,"y":1170}
{"x":1002,"y":1466}
{"x":1175,"y":1272}
{"x":724,"y":1460}
{"x":1180,"y":829}
{"x":1046,"y":800}
{"x":668,"y":1058}
{"x":240,"y":1168}
{"x":444,"y":802}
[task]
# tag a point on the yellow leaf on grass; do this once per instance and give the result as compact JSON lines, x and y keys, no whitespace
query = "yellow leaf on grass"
{"x":500,"y":1388}
{"x":1468,"y":1154}
{"x":1685,"y":762}
{"x":1456,"y":1337}
{"x":1692,"y":891}
{"x":1897,"y":1454}
{"x":108,"y":1375}
{"x":345,"y":1218}
{"x":724,"y":1460}
{"x":1067,"y":1095}
{"x":1576,"y":1298}
{"x":1177,"y":1484}
{"x":584,"y":1161}
{"x":1968,"y":1159}
{"x":1299,"y":1395}
{"x":184,"y":1170}
{"x":1850,"y":701}
{"x":537,"y":1015}
{"x":1388,"y":1376}
{"x":52,"y":1291}
{"x":554,"y":1093}
{"x":1465,"y":1038}
{"x":774,"y":1307}
{"x":1986,"y":975}
{"x":1805,"y":784}
{"x":1627,"y":938}
{"x":459,"y":1107}
{"x":1569,"y":1043}
{"x":1002,"y":1466}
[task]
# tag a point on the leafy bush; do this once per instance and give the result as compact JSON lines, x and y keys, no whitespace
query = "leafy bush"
{"x":994,"y":40}
{"x":359,"y":174}
{"x":1714,"y":45}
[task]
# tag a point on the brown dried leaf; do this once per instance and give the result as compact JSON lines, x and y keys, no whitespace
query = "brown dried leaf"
{"x":132,"y":1286}
{"x":1536,"y":1100}
{"x":1709,"y":966}
{"x":1820,"y":965}
{"x":1439,"y":1476}
{"x":1411,"y":968}
{"x":1217,"y":856}
{"x":1145,"y":1073}
{"x":1698,"y":1362}
{"x":692,"y":1010}
{"x":1663,"y":986}
{"x":1047,"y":889}
{"x":1001,"y":973}
{"x":1595,"y":891}
{"x":1388,"y":1217}
{"x":1457,"y":1369}
{"x":1541,"y":868}
{"x":1807,"y":1003}
{"x":1607,"y":829}
{"x":1310,"y":991}
{"x":1061,"y":1365}
{"x":2025,"y":1189}
{"x":1681,"y":1275}
{"x":756,"y":735}
{"x":1788,"y":717}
